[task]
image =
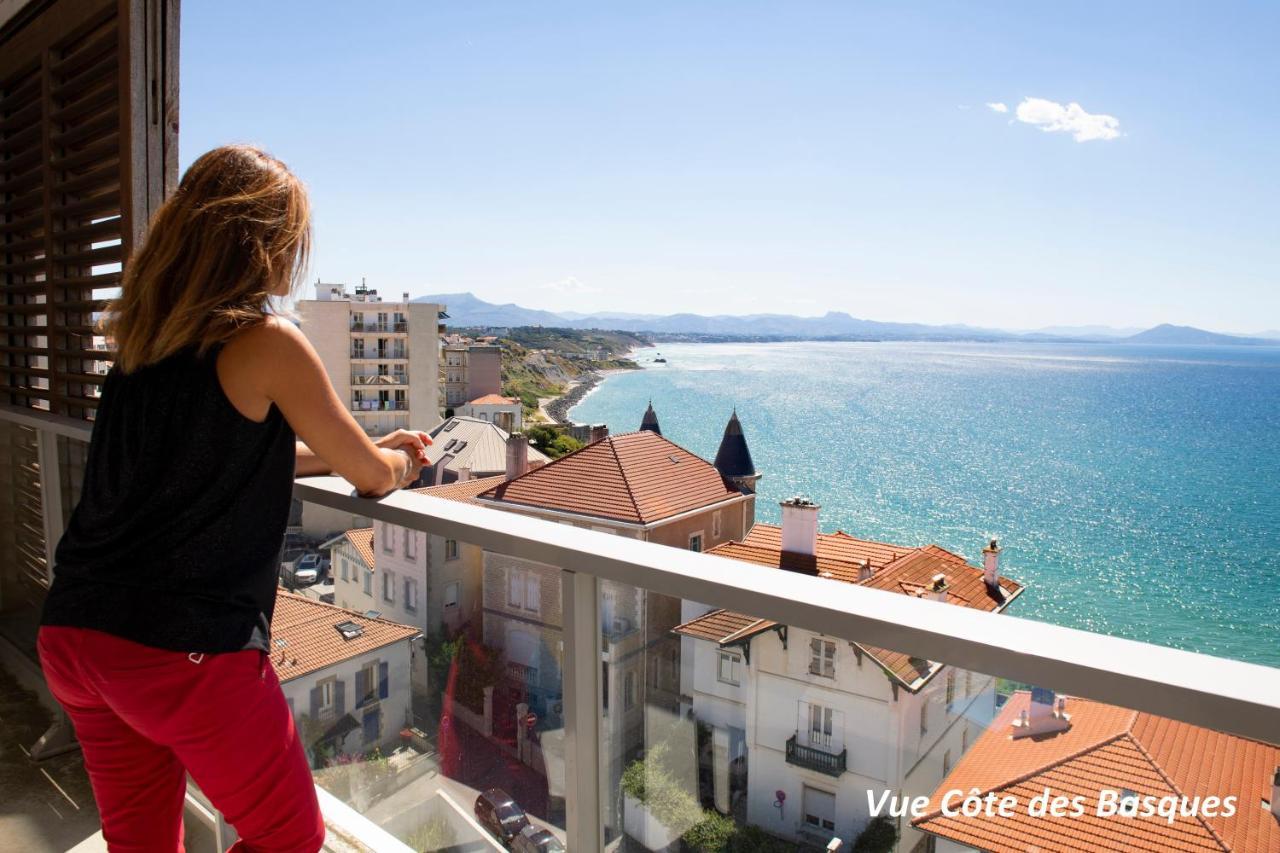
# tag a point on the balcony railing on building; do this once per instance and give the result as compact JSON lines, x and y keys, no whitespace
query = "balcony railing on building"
{"x":398,"y":326}
{"x":380,"y":405}
{"x":379,"y":353}
{"x":398,"y":378}
{"x":816,"y":758}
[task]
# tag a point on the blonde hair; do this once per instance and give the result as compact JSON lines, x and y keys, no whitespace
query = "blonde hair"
{"x":235,"y":234}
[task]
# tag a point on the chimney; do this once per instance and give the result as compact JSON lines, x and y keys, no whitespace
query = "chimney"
{"x":938,"y":588}
{"x":1046,"y":714}
{"x":517,"y":455}
{"x":800,"y":526}
{"x":1275,"y":794}
{"x":464,"y":473}
{"x":406,"y":296}
{"x":991,"y":565}
{"x":865,"y":571}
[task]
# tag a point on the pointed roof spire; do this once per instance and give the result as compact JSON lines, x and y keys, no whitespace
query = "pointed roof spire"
{"x":733,"y":459}
{"x":650,"y":420}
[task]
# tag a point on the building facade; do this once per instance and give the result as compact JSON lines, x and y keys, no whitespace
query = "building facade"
{"x":383,"y":357}
{"x":471,"y":370}
{"x":803,"y":725}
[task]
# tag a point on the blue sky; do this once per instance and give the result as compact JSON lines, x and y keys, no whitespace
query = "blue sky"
{"x":790,"y":157}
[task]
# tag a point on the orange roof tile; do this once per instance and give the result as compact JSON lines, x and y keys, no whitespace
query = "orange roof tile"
{"x":896,"y":568}
{"x":637,"y":477}
{"x":723,"y":626}
{"x":464,"y":491}
{"x":362,"y":540}
{"x":494,"y":400}
{"x":1114,"y":748}
{"x":311,"y":642}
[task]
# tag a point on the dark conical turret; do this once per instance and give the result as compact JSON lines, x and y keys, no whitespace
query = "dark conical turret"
{"x":733,"y":459}
{"x":650,"y":421}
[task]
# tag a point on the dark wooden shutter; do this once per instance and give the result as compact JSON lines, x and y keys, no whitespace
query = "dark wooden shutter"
{"x":88,"y":148}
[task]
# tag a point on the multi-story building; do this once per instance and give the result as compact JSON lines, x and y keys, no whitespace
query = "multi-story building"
{"x":471,"y":370}
{"x":347,"y":677}
{"x":1124,"y":766}
{"x":382,"y":357}
{"x":822,"y":720}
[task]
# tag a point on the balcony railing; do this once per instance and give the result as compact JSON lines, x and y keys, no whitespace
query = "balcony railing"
{"x":378,"y":354}
{"x":1232,"y":696}
{"x":398,"y":327}
{"x":379,"y":406}
{"x":815,"y":758}
{"x":379,"y":379}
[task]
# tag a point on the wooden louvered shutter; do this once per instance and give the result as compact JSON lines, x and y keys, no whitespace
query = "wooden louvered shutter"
{"x":88,"y":148}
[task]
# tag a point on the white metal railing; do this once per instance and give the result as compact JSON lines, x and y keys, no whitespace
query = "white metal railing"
{"x":1227,"y":695}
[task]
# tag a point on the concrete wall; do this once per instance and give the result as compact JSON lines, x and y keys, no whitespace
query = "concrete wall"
{"x":425,"y":398}
{"x":484,"y":371}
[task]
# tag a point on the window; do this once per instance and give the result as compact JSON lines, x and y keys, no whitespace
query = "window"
{"x":368,"y":581}
{"x":326,"y":696}
{"x":524,"y":589}
{"x":389,"y":587}
{"x":951,"y":687}
{"x":345,"y":573}
{"x":410,"y":544}
{"x":819,"y":809}
{"x":629,"y":691}
{"x":821,"y":725}
{"x":695,"y":542}
{"x":822,"y":657}
{"x":372,"y":683}
{"x":451,"y":591}
{"x":411,"y":595}
{"x":946,"y":763}
{"x":388,"y":540}
{"x":451,"y":549}
{"x":968,"y":682}
{"x":727,"y":671}
{"x":716,"y":525}
{"x":924,"y":718}
{"x":964,"y":739}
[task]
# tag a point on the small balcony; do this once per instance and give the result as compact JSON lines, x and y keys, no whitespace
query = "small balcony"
{"x":374,"y":327}
{"x":816,"y":758}
{"x":379,"y":405}
{"x":379,"y":354}
{"x":400,"y":378}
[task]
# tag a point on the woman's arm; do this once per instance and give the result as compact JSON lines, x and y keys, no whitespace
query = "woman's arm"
{"x":308,"y":464}
{"x":275,"y":363}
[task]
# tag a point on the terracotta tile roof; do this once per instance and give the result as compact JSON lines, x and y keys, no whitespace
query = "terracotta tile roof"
{"x":464,"y":491}
{"x":896,"y":568}
{"x":638,"y":477}
{"x":494,"y":400}
{"x":361,"y":539}
{"x":311,"y":642}
{"x":1112,"y":748}
{"x":724,"y":626}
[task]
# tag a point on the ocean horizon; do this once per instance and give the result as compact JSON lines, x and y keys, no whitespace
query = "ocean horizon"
{"x":1132,"y":488}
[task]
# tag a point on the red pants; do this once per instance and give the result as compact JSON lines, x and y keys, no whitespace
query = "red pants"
{"x":146,"y":717}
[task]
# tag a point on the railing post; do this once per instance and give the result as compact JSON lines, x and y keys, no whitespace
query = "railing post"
{"x":581,"y":681}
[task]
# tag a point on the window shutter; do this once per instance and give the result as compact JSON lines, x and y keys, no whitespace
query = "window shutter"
{"x":362,"y":689}
{"x":81,"y":170}
{"x":315,"y":703}
{"x":340,"y":697}
{"x":383,"y":686}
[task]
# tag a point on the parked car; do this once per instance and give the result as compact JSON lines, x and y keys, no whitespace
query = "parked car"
{"x":535,"y":840}
{"x":500,"y":815}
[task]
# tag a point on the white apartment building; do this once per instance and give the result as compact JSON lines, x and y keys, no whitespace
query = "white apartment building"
{"x":383,"y":357}
{"x":347,"y":678}
{"x":823,"y":720}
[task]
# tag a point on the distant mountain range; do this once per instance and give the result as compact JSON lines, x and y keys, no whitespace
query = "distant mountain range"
{"x":466,"y":310}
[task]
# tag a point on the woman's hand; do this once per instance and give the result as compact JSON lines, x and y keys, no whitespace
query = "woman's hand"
{"x":413,"y":442}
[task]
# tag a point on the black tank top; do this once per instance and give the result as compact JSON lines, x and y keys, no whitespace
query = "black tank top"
{"x":177,"y":539}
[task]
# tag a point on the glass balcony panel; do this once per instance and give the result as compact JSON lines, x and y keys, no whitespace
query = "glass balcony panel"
{"x":466,"y":697}
{"x":737,"y":733}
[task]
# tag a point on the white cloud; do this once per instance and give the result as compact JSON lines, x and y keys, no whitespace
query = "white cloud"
{"x":570,"y":285}
{"x":998,"y":107}
{"x":1052,"y":117}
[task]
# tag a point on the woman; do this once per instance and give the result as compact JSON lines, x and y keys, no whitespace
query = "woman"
{"x":156,"y":631}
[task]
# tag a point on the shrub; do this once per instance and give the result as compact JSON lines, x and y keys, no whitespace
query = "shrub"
{"x":880,"y":836}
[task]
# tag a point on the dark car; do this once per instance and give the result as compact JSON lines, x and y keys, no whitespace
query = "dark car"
{"x":500,"y":815}
{"x":534,"y":840}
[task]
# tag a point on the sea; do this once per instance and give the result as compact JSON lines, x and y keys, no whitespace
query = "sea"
{"x":1135,"y":490}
